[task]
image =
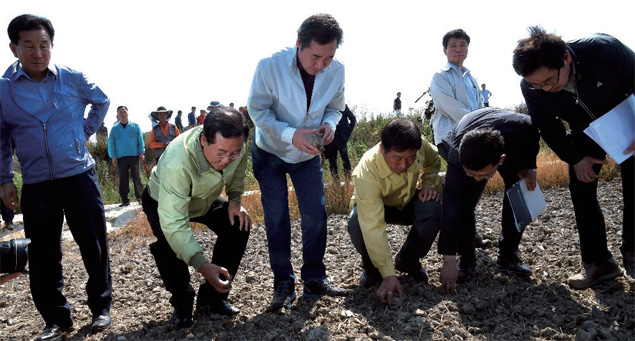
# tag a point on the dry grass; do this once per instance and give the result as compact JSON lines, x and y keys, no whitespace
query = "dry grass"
{"x":553,"y":172}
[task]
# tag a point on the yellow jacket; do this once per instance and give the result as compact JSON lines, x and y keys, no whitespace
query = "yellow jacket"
{"x":377,"y":185}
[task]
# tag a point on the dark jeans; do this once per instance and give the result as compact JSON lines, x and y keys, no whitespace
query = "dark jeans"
{"x":425,"y":218}
{"x":7,"y":213}
{"x":589,"y":217}
{"x":271,"y":173}
{"x":124,"y":165}
{"x":461,"y":193}
{"x":44,"y":206}
{"x":228,"y":252}
{"x":331,"y":150}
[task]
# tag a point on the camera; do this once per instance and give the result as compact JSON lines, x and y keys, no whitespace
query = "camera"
{"x":14,"y":255}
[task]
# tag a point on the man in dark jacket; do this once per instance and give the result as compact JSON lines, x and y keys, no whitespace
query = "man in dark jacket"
{"x":578,"y":82}
{"x":342,"y":133}
{"x":483,"y":142}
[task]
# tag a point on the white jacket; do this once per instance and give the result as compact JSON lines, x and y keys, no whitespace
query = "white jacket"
{"x":449,"y":93}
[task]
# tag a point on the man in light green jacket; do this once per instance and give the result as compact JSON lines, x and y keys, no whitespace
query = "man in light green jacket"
{"x":185,"y":187}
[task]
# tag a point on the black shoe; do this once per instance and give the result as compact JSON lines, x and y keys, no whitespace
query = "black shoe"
{"x":284,"y":296}
{"x":181,"y":318}
{"x":53,"y":332}
{"x":466,"y":268}
{"x":100,"y":322}
{"x":221,"y":307}
{"x":320,"y":287}
{"x":416,"y":272}
{"x":125,"y":203}
{"x":513,"y":265}
{"x":481,"y":243}
{"x":368,"y":280}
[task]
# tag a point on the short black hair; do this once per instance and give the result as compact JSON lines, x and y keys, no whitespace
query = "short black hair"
{"x":400,"y":135}
{"x":480,"y":148}
{"x":538,"y":50}
{"x":122,"y":106}
{"x":322,"y":28}
{"x":226,"y":121}
{"x":458,"y":34}
{"x":29,"y":22}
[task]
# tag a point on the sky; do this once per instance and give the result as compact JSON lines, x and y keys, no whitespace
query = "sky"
{"x":179,"y":54}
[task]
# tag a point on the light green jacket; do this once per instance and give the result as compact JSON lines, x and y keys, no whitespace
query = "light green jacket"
{"x":185,"y":185}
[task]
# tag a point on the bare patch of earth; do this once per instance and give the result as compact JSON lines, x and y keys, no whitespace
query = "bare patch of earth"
{"x":490,"y":306}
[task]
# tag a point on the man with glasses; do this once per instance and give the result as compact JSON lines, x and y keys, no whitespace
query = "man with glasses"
{"x":185,"y":187}
{"x":484,"y":142}
{"x":578,"y":82}
{"x":296,"y":97}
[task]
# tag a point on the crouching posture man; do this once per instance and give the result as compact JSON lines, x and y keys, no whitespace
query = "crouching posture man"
{"x":483,"y":142}
{"x":185,"y":186}
{"x":386,"y":191}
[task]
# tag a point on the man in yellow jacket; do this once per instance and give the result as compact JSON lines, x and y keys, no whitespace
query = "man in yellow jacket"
{"x":386,"y":192}
{"x":185,"y":187}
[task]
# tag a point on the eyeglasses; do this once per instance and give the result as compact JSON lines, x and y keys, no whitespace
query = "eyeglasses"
{"x":232,"y":156}
{"x":550,"y":84}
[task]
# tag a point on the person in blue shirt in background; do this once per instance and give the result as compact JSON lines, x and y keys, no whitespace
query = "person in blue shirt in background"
{"x":126,"y":149}
{"x":486,"y":94}
{"x":42,"y":108}
{"x":191,"y":118}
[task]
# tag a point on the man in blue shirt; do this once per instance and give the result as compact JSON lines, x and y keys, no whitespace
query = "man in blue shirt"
{"x":191,"y":118}
{"x":126,"y":149}
{"x":295,"y":99}
{"x":486,"y":94}
{"x":42,"y":108}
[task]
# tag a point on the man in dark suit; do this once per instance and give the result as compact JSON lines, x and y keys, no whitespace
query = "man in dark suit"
{"x":343,"y":132}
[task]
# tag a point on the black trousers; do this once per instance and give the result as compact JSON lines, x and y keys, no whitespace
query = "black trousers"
{"x":589,"y":217}
{"x":228,"y":252}
{"x":44,"y":206}
{"x":7,"y":213}
{"x":461,"y":193}
{"x":124,"y":165}
{"x":331,"y":150}
{"x":425,"y":218}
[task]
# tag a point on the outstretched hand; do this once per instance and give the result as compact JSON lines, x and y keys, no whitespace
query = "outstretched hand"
{"x":212,"y":273}
{"x":449,"y":274}
{"x":387,"y":288}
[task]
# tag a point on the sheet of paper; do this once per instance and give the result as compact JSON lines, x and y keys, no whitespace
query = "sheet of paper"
{"x":615,"y":131}
{"x":526,"y":205}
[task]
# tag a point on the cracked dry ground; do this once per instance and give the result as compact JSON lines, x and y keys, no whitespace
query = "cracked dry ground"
{"x":489,"y":306}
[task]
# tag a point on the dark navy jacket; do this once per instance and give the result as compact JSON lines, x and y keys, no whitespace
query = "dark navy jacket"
{"x":604,"y":73}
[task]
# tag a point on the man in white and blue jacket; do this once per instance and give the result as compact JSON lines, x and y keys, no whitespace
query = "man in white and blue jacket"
{"x":42,"y":107}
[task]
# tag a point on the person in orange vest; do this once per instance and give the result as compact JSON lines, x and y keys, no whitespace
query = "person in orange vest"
{"x":163,"y":133}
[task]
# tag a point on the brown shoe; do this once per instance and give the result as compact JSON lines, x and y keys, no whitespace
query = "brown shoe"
{"x":593,"y":273}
